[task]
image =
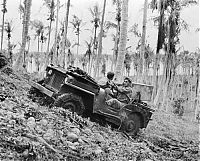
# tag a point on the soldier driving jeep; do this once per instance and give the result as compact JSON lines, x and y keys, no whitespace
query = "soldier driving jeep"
{"x":121,"y":96}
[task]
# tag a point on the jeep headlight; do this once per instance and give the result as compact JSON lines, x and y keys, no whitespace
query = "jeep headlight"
{"x":49,"y":72}
{"x":68,"y":79}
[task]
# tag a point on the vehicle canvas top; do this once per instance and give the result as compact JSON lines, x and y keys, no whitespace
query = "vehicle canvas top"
{"x":81,"y":78}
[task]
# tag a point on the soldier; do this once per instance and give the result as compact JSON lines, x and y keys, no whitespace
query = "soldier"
{"x":109,"y":82}
{"x":123,"y":92}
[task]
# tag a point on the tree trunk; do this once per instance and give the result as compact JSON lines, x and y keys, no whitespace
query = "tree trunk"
{"x":168,"y":67}
{"x":26,"y":19}
{"x":38,"y":43}
{"x":49,"y":39}
{"x":77,"y":49}
{"x":9,"y":51}
{"x":3,"y":22}
{"x":93,"y":51}
{"x":56,"y":34}
{"x":115,"y":50}
{"x":64,"y":38}
{"x":197,"y":90}
{"x":161,"y":84}
{"x":97,"y":64}
{"x":160,"y":42}
{"x":143,"y":71}
{"x":122,"y":42}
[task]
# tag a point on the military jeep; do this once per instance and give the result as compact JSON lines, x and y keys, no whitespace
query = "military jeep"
{"x":74,"y":89}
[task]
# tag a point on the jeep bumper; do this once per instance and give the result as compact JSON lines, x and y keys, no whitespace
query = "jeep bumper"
{"x":42,"y":89}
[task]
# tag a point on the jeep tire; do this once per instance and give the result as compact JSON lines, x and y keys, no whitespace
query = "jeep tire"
{"x":132,"y":124}
{"x":70,"y":101}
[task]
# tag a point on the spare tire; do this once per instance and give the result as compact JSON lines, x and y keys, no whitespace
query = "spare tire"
{"x":70,"y":101}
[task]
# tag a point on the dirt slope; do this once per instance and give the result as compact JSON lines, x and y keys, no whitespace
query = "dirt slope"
{"x":29,"y":131}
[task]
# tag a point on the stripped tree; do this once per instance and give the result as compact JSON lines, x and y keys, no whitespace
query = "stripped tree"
{"x":101,"y":34}
{"x":4,"y":10}
{"x":122,"y":42}
{"x":20,"y":62}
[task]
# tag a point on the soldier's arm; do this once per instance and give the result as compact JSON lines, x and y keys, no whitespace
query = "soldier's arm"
{"x":126,"y":90}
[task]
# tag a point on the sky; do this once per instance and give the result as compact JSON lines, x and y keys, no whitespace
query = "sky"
{"x":188,"y":40}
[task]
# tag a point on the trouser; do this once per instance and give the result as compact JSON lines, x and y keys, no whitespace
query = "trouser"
{"x":113,"y":102}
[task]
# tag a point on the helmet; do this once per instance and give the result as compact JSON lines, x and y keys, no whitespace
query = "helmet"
{"x":110,"y":75}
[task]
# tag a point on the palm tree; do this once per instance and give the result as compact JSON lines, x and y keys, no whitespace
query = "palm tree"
{"x":39,"y":29}
{"x":88,"y":53}
{"x":51,"y":6}
{"x":9,"y":30}
{"x":169,"y":30}
{"x":127,"y":63}
{"x":197,"y":90}
{"x":97,"y":64}
{"x":64,"y":36}
{"x":56,"y":33}
{"x":95,"y":12}
{"x":4,"y":10}
{"x":76,"y":22}
{"x":118,"y":4}
{"x":113,"y":25}
{"x":160,"y":41}
{"x":29,"y":43}
{"x":142,"y":64}
{"x":26,"y":19}
{"x":122,"y":42}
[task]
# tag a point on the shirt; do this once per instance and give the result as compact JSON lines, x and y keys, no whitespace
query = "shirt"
{"x":123,"y":91}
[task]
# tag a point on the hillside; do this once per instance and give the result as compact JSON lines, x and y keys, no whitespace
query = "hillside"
{"x":29,"y":131}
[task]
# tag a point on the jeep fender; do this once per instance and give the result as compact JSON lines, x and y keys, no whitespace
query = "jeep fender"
{"x":130,"y":109}
{"x":87,"y":96}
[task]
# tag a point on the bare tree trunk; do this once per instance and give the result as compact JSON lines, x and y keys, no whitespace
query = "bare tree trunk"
{"x":142,"y":49}
{"x":77,"y":49}
{"x":182,"y":81}
{"x":56,"y":33}
{"x":122,"y":42}
{"x":26,"y":19}
{"x":115,"y":50}
{"x":173,"y":89}
{"x":64,"y":38}
{"x":49,"y":39}
{"x":197,"y":91}
{"x":3,"y":22}
{"x":9,"y":51}
{"x":160,"y":42}
{"x":97,"y":64}
{"x":168,"y":68}
{"x":92,"y":57}
{"x":38,"y":43}
{"x":161,"y":84}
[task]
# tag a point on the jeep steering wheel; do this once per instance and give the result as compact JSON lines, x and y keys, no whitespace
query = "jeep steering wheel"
{"x":116,"y":92}
{"x":128,"y":98}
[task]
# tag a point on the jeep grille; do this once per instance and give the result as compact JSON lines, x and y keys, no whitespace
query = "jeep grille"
{"x":57,"y":81}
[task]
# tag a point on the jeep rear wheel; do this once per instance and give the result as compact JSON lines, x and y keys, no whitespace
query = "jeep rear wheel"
{"x":132,"y":124}
{"x":70,"y":101}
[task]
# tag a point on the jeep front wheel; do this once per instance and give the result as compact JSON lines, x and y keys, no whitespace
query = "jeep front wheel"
{"x":132,"y":124}
{"x":70,"y":101}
